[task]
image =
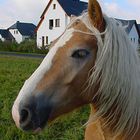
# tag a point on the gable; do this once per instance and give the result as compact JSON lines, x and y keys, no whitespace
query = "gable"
{"x":45,"y":12}
{"x":129,"y":24}
{"x":71,"y":7}
{"x":133,"y":32}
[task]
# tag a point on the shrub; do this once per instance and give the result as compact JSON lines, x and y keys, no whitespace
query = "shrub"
{"x":27,"y":46}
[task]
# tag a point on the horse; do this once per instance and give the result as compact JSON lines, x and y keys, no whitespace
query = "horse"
{"x":92,"y":62}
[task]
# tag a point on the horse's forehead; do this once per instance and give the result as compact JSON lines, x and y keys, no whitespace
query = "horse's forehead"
{"x":79,"y":25}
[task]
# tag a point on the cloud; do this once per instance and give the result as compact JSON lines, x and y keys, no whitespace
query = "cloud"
{"x":114,"y":9}
{"x":30,"y":10}
{"x":21,"y":10}
{"x":135,"y":3}
{"x":128,"y":9}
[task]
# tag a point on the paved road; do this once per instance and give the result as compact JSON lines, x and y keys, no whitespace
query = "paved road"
{"x":23,"y":55}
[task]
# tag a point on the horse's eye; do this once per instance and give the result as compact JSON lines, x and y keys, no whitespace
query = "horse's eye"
{"x":80,"y":53}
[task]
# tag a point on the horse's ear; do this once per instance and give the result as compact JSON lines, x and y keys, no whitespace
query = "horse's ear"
{"x":96,"y":15}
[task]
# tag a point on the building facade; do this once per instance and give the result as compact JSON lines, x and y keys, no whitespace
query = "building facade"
{"x":131,"y":28}
{"x":22,"y":31}
{"x":55,"y":19}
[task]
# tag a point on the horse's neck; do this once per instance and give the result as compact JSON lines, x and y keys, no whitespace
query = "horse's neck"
{"x":95,"y":130}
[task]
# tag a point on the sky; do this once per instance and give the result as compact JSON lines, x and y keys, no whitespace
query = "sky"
{"x":30,"y":10}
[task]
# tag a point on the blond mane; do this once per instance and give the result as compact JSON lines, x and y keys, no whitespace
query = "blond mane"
{"x":117,"y":68}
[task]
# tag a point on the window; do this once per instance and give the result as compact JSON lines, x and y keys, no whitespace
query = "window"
{"x":46,"y":39}
{"x":54,"y":6}
{"x":26,"y":38}
{"x":51,"y":24}
{"x":57,"y":23}
{"x":134,"y":40}
{"x":43,"y":41}
{"x":15,"y":31}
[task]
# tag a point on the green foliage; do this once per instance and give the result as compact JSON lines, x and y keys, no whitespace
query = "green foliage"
{"x":13,"y":72}
{"x":27,"y":46}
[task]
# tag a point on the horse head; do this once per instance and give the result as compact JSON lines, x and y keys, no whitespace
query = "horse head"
{"x":57,"y":85}
{"x":92,"y":62}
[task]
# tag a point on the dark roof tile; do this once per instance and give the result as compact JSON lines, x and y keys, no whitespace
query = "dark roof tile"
{"x":128,"y":23}
{"x":6,"y":34}
{"x":73,"y":7}
{"x":139,"y":27}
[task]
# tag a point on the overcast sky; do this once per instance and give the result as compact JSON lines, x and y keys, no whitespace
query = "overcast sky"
{"x":30,"y":10}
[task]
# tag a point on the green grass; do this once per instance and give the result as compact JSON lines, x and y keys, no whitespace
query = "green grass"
{"x":13,"y":72}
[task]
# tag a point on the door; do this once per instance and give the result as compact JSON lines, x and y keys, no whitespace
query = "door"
{"x":43,"y":41}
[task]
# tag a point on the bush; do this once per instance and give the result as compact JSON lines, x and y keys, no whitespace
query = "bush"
{"x":27,"y":46}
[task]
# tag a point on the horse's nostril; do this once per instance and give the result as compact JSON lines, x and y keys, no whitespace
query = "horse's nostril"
{"x":24,"y":115}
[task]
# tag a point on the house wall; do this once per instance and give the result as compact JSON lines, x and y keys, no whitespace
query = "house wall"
{"x":18,"y":37}
{"x":1,"y":38}
{"x":44,"y":31}
{"x":134,"y":37}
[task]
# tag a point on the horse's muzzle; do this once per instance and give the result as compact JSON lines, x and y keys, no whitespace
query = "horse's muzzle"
{"x":34,"y":114}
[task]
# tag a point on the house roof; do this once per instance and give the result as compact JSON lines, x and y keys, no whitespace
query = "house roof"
{"x":129,"y":24}
{"x":139,"y":27}
{"x":6,"y":34}
{"x":26,"y":29}
{"x":73,"y":7}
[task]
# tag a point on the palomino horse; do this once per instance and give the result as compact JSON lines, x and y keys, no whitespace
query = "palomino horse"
{"x":93,"y":62}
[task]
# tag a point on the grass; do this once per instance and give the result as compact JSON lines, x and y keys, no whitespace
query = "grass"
{"x":13,"y":72}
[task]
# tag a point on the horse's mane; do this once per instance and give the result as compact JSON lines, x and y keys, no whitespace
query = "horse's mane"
{"x":117,"y":69}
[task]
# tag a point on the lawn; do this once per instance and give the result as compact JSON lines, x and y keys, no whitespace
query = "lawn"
{"x":13,"y":72}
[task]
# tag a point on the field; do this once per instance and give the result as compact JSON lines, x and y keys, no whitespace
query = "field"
{"x":13,"y":72}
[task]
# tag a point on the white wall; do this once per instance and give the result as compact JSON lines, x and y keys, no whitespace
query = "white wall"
{"x":1,"y":38}
{"x":44,"y":30}
{"x":17,"y":36}
{"x":134,"y":37}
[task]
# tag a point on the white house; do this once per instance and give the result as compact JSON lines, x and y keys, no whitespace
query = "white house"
{"x":22,"y":31}
{"x":55,"y":18}
{"x":132,"y":30}
{"x":57,"y":15}
{"x":134,"y":35}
